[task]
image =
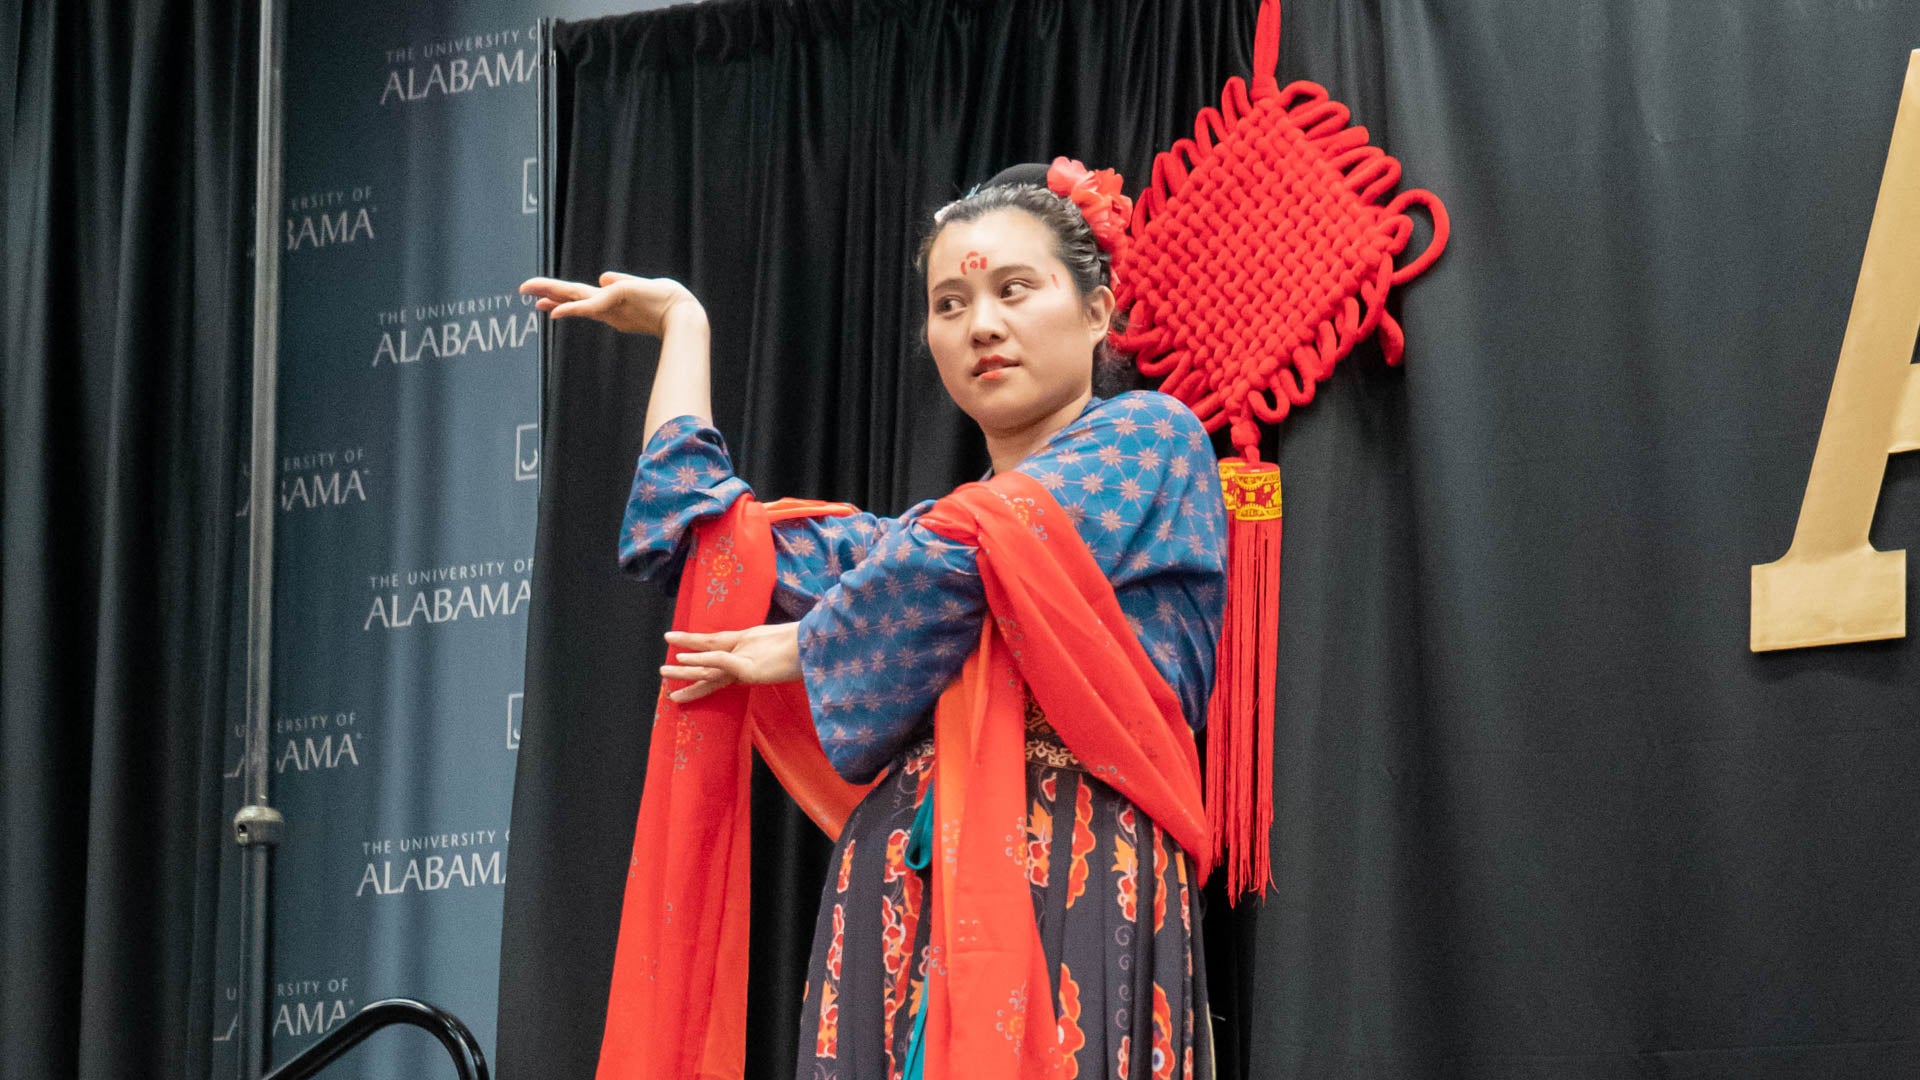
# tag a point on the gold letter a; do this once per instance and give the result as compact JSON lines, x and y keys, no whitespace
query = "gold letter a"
{"x":1832,"y":586}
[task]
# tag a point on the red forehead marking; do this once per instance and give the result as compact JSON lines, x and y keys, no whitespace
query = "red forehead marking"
{"x":972,"y":261}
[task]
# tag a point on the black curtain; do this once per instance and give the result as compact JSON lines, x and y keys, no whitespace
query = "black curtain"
{"x":1539,"y":813}
{"x":128,"y":150}
{"x":781,"y":159}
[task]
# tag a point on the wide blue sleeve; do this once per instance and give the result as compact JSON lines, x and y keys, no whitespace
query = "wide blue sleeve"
{"x":810,"y":554}
{"x":684,"y":476}
{"x":884,"y":642}
{"x":1177,"y":618}
{"x":1135,"y":475}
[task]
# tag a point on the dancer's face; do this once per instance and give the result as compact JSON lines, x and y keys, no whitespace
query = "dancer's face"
{"x":1011,"y":336}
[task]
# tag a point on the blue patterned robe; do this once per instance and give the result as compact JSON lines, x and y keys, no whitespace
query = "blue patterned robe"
{"x":889,"y":611}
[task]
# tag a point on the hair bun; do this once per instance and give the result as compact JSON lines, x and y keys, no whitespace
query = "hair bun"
{"x":1030,"y":173}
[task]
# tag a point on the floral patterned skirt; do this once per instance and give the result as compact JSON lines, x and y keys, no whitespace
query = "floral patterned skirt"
{"x":1115,"y":906}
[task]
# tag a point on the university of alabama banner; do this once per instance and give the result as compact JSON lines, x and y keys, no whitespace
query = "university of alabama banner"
{"x":408,"y":473}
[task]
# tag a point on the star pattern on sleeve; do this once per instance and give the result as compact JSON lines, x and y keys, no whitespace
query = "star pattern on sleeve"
{"x":812,"y":553}
{"x":885,"y":640}
{"x":683,"y":476}
{"x":1136,"y":477}
{"x":1138,"y":469}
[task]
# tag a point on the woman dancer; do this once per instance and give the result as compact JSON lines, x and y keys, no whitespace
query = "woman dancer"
{"x":886,"y":610}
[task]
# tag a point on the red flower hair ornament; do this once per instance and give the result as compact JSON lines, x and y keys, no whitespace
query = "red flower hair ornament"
{"x":1097,"y":194}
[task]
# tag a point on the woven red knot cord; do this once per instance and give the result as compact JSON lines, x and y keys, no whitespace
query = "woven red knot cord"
{"x":1261,"y":252}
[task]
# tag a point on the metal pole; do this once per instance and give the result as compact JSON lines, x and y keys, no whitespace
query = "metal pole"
{"x":257,"y":826}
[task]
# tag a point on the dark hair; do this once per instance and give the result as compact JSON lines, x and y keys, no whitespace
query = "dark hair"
{"x":1023,"y":188}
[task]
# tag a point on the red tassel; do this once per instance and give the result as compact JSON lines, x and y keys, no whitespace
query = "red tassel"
{"x":1240,"y":714}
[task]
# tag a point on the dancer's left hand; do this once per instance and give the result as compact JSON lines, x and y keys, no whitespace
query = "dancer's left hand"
{"x":758,"y":654}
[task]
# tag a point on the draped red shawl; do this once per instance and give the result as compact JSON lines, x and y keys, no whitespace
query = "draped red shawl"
{"x":677,"y":1007}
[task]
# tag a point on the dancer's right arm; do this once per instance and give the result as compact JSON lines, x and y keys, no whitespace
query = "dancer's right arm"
{"x":657,"y":307}
{"x":684,"y":473}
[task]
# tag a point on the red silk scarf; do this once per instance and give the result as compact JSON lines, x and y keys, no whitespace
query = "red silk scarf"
{"x":1057,"y":625}
{"x":677,"y":1007}
{"x":678,"y":1002}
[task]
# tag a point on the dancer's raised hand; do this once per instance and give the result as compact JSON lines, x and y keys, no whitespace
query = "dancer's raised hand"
{"x":633,"y":305}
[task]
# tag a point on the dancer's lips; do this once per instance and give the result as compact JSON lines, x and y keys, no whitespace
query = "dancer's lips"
{"x":996,"y":362}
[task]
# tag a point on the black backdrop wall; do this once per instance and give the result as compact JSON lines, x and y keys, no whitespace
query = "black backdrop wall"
{"x":1540,"y":812}
{"x":781,"y":160}
{"x":126,"y":136}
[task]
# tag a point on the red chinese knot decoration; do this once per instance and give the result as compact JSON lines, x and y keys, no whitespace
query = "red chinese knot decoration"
{"x":1257,"y":258}
{"x":1261,"y":253}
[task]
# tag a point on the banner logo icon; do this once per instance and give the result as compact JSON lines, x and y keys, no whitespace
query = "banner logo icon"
{"x":526,"y":452}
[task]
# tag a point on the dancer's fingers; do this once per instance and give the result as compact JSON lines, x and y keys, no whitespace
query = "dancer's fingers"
{"x":723,"y":641}
{"x":727,"y":662}
{"x":686,"y":673}
{"x":556,"y":289}
{"x":699,"y":690}
{"x":592,"y":307}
